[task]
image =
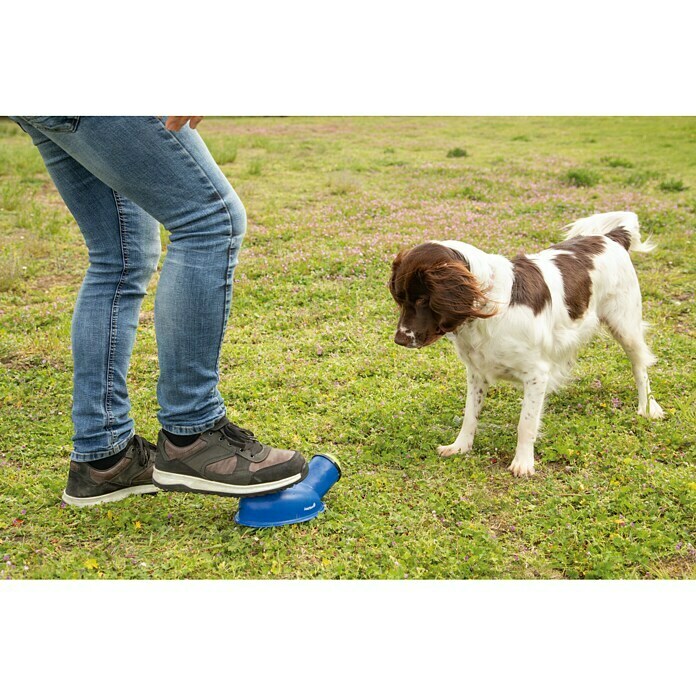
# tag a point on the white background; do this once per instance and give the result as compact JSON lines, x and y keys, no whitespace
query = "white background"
{"x":432,"y":57}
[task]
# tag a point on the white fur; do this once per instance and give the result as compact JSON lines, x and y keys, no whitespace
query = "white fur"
{"x":409,"y":334}
{"x":603,"y":223}
{"x":538,"y":352}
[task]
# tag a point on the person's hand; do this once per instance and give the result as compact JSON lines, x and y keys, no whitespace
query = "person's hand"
{"x":175,"y":123}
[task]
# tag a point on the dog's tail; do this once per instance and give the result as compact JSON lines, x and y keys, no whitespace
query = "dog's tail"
{"x":621,"y":226}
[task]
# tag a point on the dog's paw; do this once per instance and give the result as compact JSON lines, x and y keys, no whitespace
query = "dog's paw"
{"x":654,"y":411}
{"x":522,"y":466}
{"x":454,"y":448}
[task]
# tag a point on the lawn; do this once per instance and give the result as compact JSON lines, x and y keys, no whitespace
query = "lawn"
{"x":309,"y":361}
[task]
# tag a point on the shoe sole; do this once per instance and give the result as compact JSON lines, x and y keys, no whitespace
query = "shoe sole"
{"x":181,"y":483}
{"x":109,"y":497}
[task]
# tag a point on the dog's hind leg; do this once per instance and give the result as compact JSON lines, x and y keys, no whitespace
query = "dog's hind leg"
{"x":632,"y":341}
{"x":476,"y":388}
{"x":626,"y":326}
{"x":532,"y":406}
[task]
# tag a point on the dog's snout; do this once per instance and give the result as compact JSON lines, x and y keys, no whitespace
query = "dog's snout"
{"x":405,"y":337}
{"x":402,"y":339}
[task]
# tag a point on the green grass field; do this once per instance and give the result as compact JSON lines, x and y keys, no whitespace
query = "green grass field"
{"x":309,"y":361}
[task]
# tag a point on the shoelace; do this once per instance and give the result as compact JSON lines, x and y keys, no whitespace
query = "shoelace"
{"x":143,"y":450}
{"x":240,"y":437}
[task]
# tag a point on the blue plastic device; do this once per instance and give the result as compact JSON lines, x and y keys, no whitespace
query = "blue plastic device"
{"x":299,"y":503}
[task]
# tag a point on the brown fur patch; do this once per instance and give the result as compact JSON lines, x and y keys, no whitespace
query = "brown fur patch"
{"x":575,"y":266}
{"x":436,"y":291}
{"x":528,"y":286}
{"x":620,"y":236}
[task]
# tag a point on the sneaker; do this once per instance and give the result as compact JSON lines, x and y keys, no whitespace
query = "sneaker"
{"x":131,"y":475}
{"x":226,"y":460}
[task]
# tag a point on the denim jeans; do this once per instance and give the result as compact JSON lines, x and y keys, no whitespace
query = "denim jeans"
{"x":120,"y":176}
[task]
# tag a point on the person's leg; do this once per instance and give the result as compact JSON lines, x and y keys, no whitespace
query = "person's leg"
{"x":108,"y":462}
{"x":124,"y":247}
{"x":174,"y":178}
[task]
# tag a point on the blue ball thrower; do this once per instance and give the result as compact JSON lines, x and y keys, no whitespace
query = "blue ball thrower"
{"x":299,"y":503}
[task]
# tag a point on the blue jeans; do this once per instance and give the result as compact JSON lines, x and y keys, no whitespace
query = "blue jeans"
{"x":120,"y":176}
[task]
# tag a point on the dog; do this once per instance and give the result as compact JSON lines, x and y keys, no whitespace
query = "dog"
{"x":524,"y":320}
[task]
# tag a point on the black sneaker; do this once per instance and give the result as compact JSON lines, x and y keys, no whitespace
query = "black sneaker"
{"x":226,"y":460}
{"x":131,"y":475}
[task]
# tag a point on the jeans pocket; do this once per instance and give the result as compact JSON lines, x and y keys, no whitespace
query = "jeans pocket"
{"x":54,"y":124}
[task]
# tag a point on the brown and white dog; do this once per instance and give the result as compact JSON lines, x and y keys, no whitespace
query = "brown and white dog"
{"x":524,"y":320}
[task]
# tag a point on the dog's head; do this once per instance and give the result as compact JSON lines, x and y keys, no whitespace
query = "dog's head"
{"x":436,"y":292}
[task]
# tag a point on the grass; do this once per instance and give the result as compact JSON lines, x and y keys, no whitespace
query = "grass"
{"x":616,"y":162}
{"x":223,"y":149}
{"x":581,"y":177}
{"x":309,"y":362}
{"x":255,"y":167}
{"x":672,"y":185}
{"x":457,"y":152}
{"x":342,"y":183}
{"x":465,"y":192}
{"x":9,"y":270}
{"x":641,"y":178}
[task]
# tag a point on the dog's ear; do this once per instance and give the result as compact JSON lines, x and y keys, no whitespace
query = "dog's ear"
{"x":395,"y":267}
{"x":455,"y":294}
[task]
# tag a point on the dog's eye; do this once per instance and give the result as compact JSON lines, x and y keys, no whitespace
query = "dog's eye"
{"x":421,"y":301}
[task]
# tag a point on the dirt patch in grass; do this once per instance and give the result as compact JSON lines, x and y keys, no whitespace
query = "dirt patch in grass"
{"x":676,"y":568}
{"x":69,"y":281}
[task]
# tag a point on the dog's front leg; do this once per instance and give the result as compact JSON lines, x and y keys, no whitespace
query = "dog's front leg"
{"x":532,"y":406}
{"x":476,"y":388}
